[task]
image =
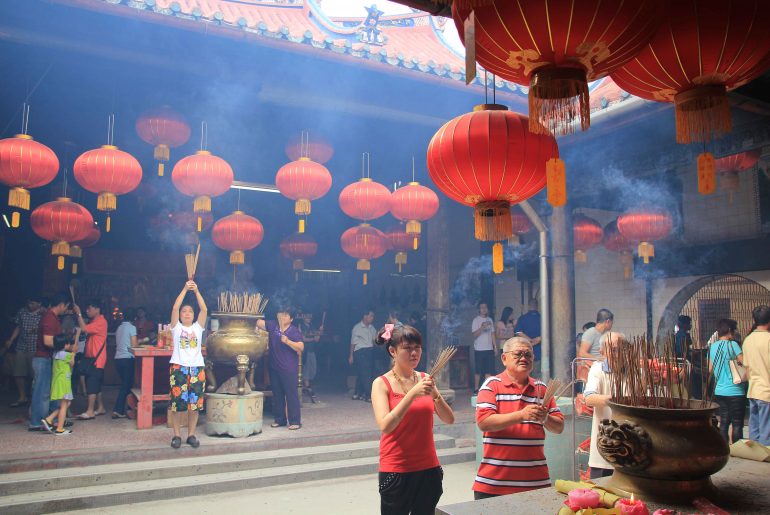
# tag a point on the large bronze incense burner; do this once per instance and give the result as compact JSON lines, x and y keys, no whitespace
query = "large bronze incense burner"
{"x":236,"y":342}
{"x":663,"y":454}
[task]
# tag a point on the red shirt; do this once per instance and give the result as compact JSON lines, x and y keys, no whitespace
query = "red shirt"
{"x":514,"y":458}
{"x":49,"y":326}
{"x":97,"y":336}
{"x":410,"y":447}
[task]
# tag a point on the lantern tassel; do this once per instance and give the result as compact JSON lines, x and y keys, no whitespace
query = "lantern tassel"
{"x":60,"y":263}
{"x":15,"y":219}
{"x":497,"y":258}
{"x":413,"y":227}
{"x":162,"y":153}
{"x":60,"y":248}
{"x":202,"y":204}
{"x":415,"y":243}
{"x":19,"y":197}
{"x":702,"y":114}
{"x":493,"y":220}
{"x":706,"y":174}
{"x":627,"y":260}
{"x":106,"y":201}
{"x":109,"y":222}
{"x":74,"y":269}
{"x":366,"y":279}
{"x":200,"y":224}
{"x":161,"y":169}
{"x":556,"y":180}
{"x":557,"y":98}
{"x":301,"y":228}
{"x":646,"y":251}
{"x":580,"y":256}
{"x":237,"y":257}
{"x":298,"y":264}
{"x":296,"y":277}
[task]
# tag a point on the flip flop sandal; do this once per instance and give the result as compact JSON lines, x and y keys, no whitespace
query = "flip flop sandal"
{"x":83,"y":416}
{"x":276,"y":424}
{"x":294,"y":427}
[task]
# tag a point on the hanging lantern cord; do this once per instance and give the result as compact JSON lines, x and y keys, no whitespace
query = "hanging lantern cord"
{"x":304,"y":146}
{"x":204,"y":135}
{"x":110,"y":129}
{"x":413,"y":168}
{"x":25,"y":118}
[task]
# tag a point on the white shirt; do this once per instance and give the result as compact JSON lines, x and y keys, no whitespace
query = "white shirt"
{"x":598,"y":382}
{"x":187,"y":345}
{"x":484,"y":341}
{"x":362,"y":336}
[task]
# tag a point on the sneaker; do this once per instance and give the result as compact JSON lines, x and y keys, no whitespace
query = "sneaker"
{"x":176,"y":442}
{"x":193,"y":442}
{"x":46,"y":425}
{"x":63,"y":432}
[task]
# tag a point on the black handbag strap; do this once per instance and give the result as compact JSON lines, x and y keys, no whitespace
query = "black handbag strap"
{"x":100,"y":350}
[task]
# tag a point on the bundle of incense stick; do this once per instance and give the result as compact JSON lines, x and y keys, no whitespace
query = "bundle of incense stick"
{"x":442,"y":360}
{"x":246,"y":303}
{"x":553,"y":390}
{"x":191,"y":262}
{"x":72,"y":294}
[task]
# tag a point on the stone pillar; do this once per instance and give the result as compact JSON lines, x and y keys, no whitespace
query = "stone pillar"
{"x":438,"y":294}
{"x":562,"y":293}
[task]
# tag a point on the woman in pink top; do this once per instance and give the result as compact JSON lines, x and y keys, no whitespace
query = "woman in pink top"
{"x":404,"y":402}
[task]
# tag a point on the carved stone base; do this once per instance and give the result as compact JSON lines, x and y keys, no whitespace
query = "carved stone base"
{"x":235,"y":415}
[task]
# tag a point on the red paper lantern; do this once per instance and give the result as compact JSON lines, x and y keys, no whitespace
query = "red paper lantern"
{"x":108,"y":172}
{"x":298,"y":247}
{"x":303,"y":180}
{"x":24,"y":164}
{"x":413,"y":204}
{"x":165,"y":129}
{"x":318,"y":150}
{"x":61,"y":222}
{"x":520,"y":224}
{"x":365,"y":200}
{"x":730,"y":166}
{"x":400,"y":242}
{"x":586,"y":234}
{"x":237,"y":233}
{"x":364,"y":243}
{"x":556,"y":47}
{"x":489,"y":159}
{"x":202,"y":176}
{"x":616,"y":242}
{"x":644,"y":226}
{"x":702,"y":49}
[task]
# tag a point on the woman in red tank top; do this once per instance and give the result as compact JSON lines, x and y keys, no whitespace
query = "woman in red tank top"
{"x":404,"y":402}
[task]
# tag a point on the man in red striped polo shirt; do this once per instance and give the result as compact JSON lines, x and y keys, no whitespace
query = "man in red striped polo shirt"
{"x":514,"y":423}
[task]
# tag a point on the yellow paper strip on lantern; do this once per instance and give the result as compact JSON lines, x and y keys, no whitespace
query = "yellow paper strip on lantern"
{"x":497,"y":258}
{"x":556,"y":182}
{"x":707,"y":175}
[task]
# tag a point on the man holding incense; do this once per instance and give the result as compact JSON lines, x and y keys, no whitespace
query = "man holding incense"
{"x":285,"y":345}
{"x":513,"y":410}
{"x":597,"y":393}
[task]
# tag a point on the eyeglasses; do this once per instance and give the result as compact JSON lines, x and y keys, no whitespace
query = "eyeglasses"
{"x":519,"y":355}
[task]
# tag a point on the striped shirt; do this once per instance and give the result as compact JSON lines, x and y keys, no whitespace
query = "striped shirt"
{"x":514,"y":458}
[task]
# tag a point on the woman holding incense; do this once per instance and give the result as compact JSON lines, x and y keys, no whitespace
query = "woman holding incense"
{"x":187,"y":372}
{"x":404,"y":402}
{"x":514,"y":411}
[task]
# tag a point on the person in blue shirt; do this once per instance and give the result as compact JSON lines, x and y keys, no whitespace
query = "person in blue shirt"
{"x":528,"y":325}
{"x":730,"y":397}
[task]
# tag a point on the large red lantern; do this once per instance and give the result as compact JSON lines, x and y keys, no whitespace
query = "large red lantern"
{"x":586,"y":234}
{"x":298,"y":247}
{"x":643,"y":226}
{"x":702,"y":49}
{"x":488,"y":159}
{"x":76,"y":249}
{"x":25,"y":164}
{"x":364,"y":243}
{"x":520,"y":224}
{"x":414,"y":203}
{"x":165,"y":129}
{"x":555,"y":47}
{"x":108,"y":172}
{"x":61,"y":222}
{"x":303,"y":180}
{"x":616,"y":242}
{"x":400,"y":242}
{"x":730,"y":166}
{"x":237,"y":233}
{"x":202,"y":176}
{"x":365,"y":200}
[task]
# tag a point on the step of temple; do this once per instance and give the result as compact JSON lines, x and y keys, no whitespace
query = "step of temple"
{"x":125,"y":483}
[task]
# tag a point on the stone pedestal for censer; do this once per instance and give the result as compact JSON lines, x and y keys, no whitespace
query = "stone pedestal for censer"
{"x":234,"y":409}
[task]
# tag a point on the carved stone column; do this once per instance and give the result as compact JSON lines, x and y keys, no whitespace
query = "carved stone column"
{"x":438,"y":294}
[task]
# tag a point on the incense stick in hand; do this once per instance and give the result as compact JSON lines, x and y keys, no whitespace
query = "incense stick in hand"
{"x":442,"y":360}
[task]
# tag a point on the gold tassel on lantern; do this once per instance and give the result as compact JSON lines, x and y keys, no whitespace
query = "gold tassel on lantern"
{"x":18,"y":197}
{"x":702,"y":114}
{"x":60,"y":248}
{"x":237,"y":257}
{"x":108,"y":225}
{"x":493,"y":220}
{"x":202,"y":204}
{"x":298,"y":264}
{"x":60,"y":263}
{"x":302,"y":207}
{"x":400,"y":260}
{"x":646,"y":251}
{"x":553,"y":95}
{"x":74,"y":269}
{"x":414,"y":227}
{"x":76,"y":251}
{"x":627,"y":260}
{"x":106,"y":201}
{"x":556,"y":181}
{"x":162,"y":154}
{"x":15,"y":219}
{"x":707,"y":175}
{"x":301,"y":227}
{"x":580,"y":256}
{"x":497,"y":258}
{"x":364,"y":265}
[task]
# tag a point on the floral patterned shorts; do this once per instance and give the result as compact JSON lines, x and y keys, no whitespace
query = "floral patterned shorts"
{"x":187,"y":387}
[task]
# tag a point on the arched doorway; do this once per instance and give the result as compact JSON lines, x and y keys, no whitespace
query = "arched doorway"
{"x":708,"y":299}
